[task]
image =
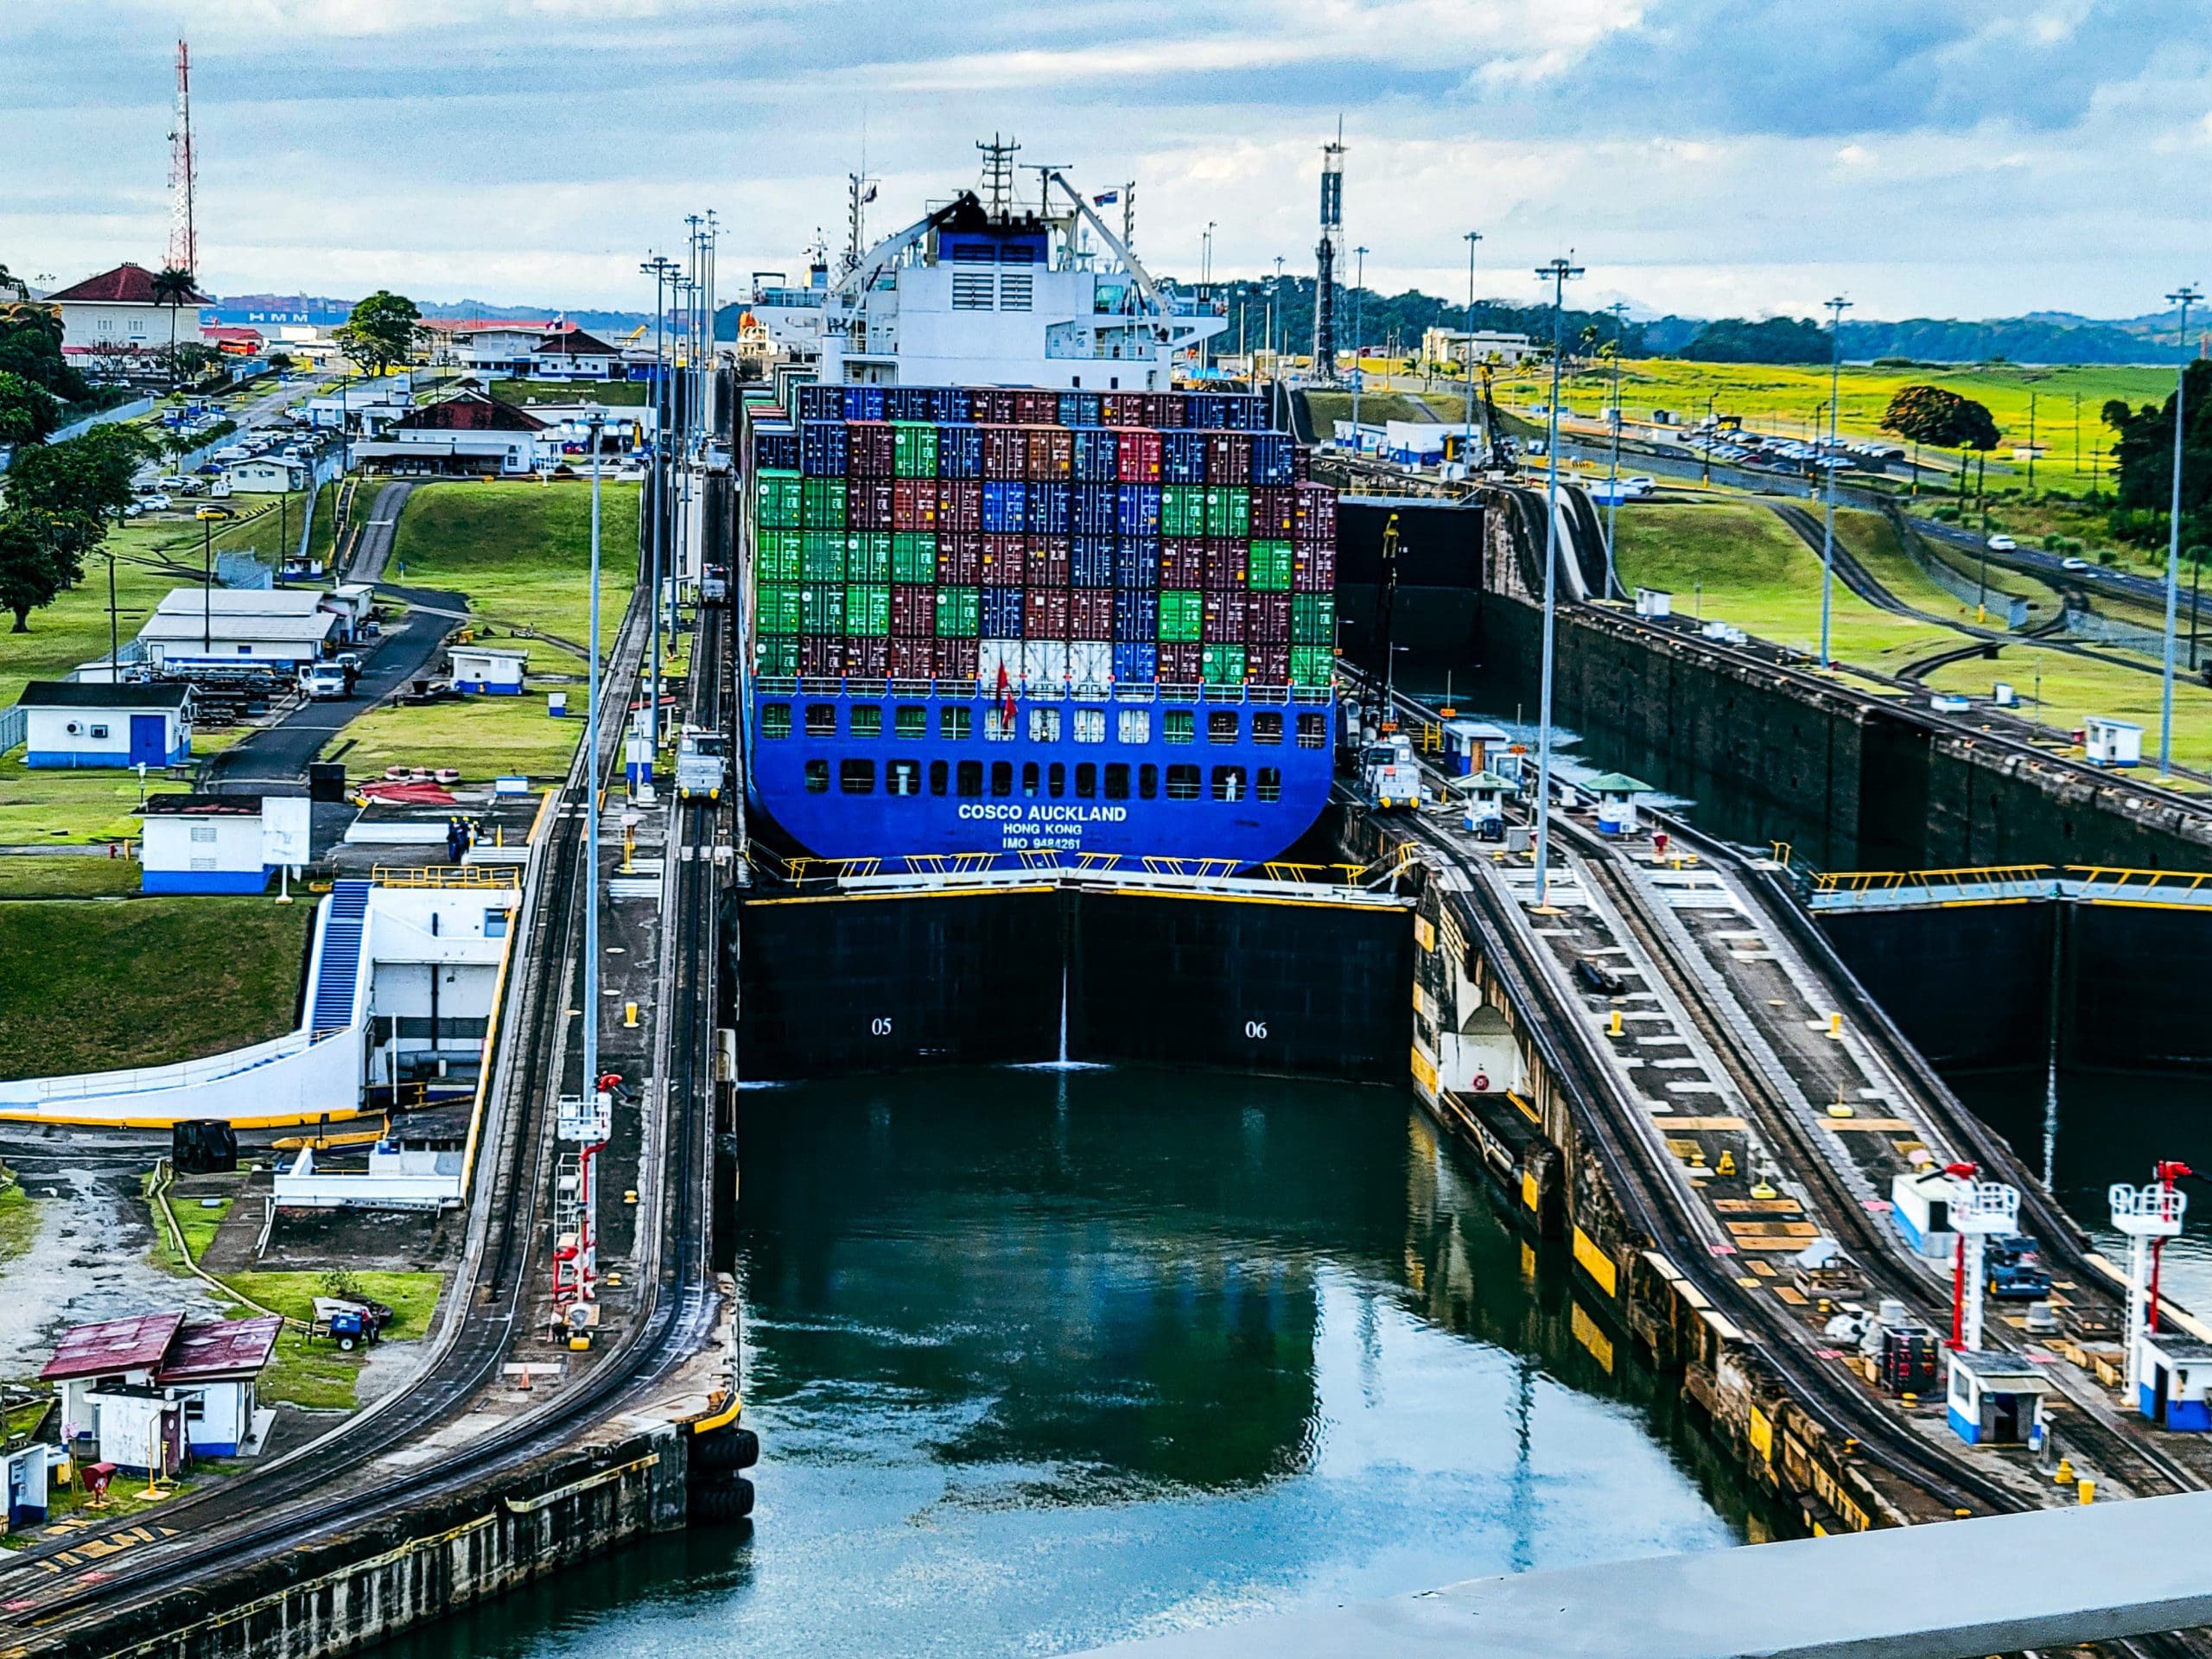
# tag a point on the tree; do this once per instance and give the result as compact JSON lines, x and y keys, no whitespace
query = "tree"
{"x":30,"y":345}
{"x":28,"y":410}
{"x":2145,"y":454}
{"x":9,"y":279}
{"x":382,"y":331}
{"x":172,"y":288}
{"x":42,"y":554}
{"x":1773,"y":340}
{"x":88,"y":477}
{"x":1941,"y":419}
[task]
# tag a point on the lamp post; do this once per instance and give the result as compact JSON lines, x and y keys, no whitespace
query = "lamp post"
{"x":1836,"y":309}
{"x":1467,"y":437}
{"x":594,"y":420}
{"x":1619,"y":308}
{"x":2182,"y":296}
{"x":1358,"y":335}
{"x":1279,"y":319}
{"x":1558,"y":272}
{"x":663,"y":270}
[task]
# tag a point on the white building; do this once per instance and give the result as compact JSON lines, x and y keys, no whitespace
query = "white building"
{"x":116,"y":312}
{"x":201,"y":843}
{"x":574,"y":355}
{"x":24,"y":1475}
{"x":495,"y":670}
{"x":364,"y":408}
{"x":72,"y":723}
{"x":492,"y":350}
{"x":268,"y":476}
{"x":201,"y":627}
{"x":469,"y":435}
{"x":1449,"y":346}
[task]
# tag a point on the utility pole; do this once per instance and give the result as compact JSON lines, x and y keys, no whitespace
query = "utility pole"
{"x":2182,"y":296}
{"x":1358,"y":336}
{"x":1467,"y":435}
{"x":1559,"y":271}
{"x":663,"y":270}
{"x":1837,"y":306}
{"x":594,"y":423}
{"x":1619,"y":308}
{"x":2032,"y":445}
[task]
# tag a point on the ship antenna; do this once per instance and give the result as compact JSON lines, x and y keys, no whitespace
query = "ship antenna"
{"x":998,"y":174}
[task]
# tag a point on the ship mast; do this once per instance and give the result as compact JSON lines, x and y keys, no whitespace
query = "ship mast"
{"x":1328,"y":258}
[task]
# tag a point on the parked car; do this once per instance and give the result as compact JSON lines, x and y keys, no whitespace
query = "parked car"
{"x":212,"y":511}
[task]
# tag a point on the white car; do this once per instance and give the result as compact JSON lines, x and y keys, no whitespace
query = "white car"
{"x":2003,"y":544}
{"x":155,"y":503}
{"x":1640,"y":485}
{"x":2073,"y":564}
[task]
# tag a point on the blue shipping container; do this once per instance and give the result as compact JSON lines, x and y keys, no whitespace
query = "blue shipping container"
{"x":822,"y":449}
{"x":1096,"y":509}
{"x":1138,"y":510}
{"x":1093,"y":565}
{"x":1136,"y":661}
{"x":1136,"y":562}
{"x":863,"y":403}
{"x":1274,"y":460}
{"x":1045,"y":509}
{"x":1183,"y":457}
{"x":1003,"y":613}
{"x":1002,"y":507}
{"x":1096,"y":454}
{"x":960,"y":452}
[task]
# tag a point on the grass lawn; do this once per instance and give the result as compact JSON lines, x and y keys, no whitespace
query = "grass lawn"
{"x":1741,"y":563}
{"x":98,"y":877}
{"x":65,"y":806}
{"x":1375,"y":407}
{"x":1778,"y":398}
{"x":615,"y":394}
{"x":18,"y":1216}
{"x":2073,"y":688}
{"x":483,"y":737}
{"x":148,"y":982}
{"x":521,"y":552}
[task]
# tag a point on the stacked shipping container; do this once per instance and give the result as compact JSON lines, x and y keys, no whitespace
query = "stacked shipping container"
{"x":1075,"y":538}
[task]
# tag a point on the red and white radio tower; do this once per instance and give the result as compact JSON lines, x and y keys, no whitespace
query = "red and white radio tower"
{"x":184,"y":235}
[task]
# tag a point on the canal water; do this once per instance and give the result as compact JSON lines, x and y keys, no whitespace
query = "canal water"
{"x":1042,"y":1359}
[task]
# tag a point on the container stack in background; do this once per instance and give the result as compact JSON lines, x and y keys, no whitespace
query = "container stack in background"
{"x":1039,"y":539}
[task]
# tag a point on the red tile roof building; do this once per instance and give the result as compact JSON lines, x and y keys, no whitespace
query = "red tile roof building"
{"x":127,"y":285}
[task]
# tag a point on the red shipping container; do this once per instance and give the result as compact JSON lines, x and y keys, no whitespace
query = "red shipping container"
{"x":913,"y":659}
{"x":1225,"y":619}
{"x":1136,"y":458}
{"x":992,"y":405}
{"x":1225,"y":561}
{"x":1037,"y":408}
{"x":869,"y":503}
{"x":1006,"y":453}
{"x":867,"y":656}
{"x":959,"y":504}
{"x":1045,"y":613}
{"x":1005,"y":561}
{"x":1050,"y":559}
{"x":1314,"y":570}
{"x":821,"y":653}
{"x":956,"y":658}
{"x":870,"y":449}
{"x":1182,"y":562}
{"x":1302,"y":463}
{"x":1268,"y":664}
{"x":1164,"y":409}
{"x":1314,"y":518}
{"x":914,"y":504}
{"x":960,"y":561}
{"x":1274,"y":514}
{"x":1180,"y":663}
{"x":1229,"y":458}
{"x":1091,"y":615}
{"x":1267,"y":619}
{"x":1037,"y":464}
{"x":913,"y":610}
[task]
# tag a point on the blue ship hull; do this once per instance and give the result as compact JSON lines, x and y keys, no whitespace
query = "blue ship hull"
{"x":1248,"y":779}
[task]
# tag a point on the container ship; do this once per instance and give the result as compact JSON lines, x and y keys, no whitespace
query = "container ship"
{"x":1004,"y":589}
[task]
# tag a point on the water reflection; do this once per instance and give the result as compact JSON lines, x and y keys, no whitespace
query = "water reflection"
{"x":1045,"y":1360}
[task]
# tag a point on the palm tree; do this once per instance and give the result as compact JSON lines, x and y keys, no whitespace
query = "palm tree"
{"x":9,"y":279}
{"x":172,"y":288}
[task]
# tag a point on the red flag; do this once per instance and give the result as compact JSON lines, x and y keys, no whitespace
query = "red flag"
{"x":1006,"y":699}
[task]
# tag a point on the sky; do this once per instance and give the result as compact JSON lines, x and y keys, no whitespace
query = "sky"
{"x":1922,"y":157}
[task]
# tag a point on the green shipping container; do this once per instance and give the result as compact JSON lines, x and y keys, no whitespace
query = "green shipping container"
{"x":1311,"y":665}
{"x":913,"y":449}
{"x":1229,"y":510}
{"x":778,"y":656}
{"x":867,"y":610}
{"x":779,"y":556}
{"x":1270,"y":568}
{"x":778,"y":501}
{"x":913,"y":556}
{"x":1182,"y":510}
{"x":1222,"y":665}
{"x":1182,"y":616}
{"x":821,"y":503}
{"x":1312,"y":618}
{"x":822,"y":557}
{"x":781,"y":609}
{"x":959,"y":612}
{"x":867,"y":556}
{"x":823,"y":610}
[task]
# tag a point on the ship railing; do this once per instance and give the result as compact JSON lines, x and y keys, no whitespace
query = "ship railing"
{"x":875,"y":689}
{"x":1028,"y":866}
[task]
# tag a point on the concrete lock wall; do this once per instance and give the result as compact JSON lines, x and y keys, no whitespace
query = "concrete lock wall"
{"x":839,"y":985}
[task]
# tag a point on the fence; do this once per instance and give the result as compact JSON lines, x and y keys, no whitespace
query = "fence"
{"x":15,"y":725}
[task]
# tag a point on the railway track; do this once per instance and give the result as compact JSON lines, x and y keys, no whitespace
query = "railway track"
{"x":293,"y":1504}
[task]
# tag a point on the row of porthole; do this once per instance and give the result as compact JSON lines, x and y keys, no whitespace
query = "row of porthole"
{"x":911,"y":723}
{"x":1112,"y":782}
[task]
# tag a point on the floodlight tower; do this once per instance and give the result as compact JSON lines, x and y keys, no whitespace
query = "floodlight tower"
{"x":1328,"y":255}
{"x":184,"y":232}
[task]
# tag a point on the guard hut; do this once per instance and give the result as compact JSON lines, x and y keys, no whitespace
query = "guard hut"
{"x":75,"y":723}
{"x":1920,"y":1203}
{"x":491,"y":671}
{"x":2174,"y":1386}
{"x":1616,"y":792}
{"x":1654,"y":602}
{"x":1996,"y":1399}
{"x":2108,"y":742}
{"x":1484,"y":797}
{"x":201,"y":843}
{"x":1469,"y":744}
